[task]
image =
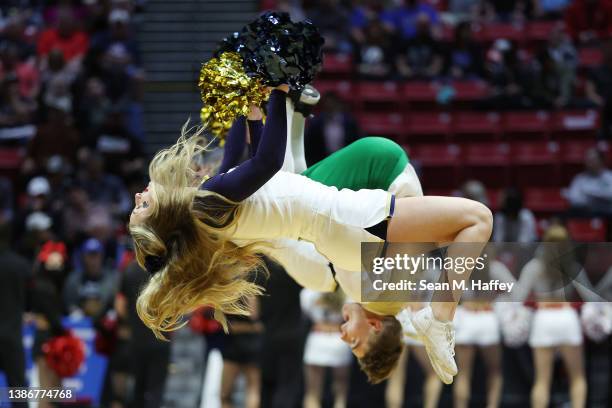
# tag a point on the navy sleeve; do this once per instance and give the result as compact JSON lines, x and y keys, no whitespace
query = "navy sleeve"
{"x":255,"y":129}
{"x":249,"y":176}
{"x":235,"y":142}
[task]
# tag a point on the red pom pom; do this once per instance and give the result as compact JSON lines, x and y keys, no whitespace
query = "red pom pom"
{"x":64,"y":354}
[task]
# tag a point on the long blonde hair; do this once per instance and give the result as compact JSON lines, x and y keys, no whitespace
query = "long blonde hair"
{"x":200,"y":266}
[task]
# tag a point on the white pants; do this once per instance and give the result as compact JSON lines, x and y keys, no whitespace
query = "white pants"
{"x":478,"y":328}
{"x":555,"y":327}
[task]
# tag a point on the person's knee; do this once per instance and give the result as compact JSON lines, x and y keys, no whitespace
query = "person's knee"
{"x":481,"y":218}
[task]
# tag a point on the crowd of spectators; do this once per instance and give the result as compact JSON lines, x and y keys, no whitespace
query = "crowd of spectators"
{"x":71,"y":83}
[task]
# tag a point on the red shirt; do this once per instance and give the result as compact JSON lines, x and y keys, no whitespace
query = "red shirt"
{"x":72,"y":46}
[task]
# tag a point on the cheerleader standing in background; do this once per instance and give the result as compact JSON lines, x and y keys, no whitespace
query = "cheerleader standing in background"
{"x":241,"y":350}
{"x":199,"y":240}
{"x":478,"y":329}
{"x":324,"y":348}
{"x":556,"y":325}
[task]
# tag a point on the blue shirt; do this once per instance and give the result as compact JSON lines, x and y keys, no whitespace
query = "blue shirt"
{"x":403,"y":19}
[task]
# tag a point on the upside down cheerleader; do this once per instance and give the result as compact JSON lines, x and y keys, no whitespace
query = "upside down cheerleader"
{"x":199,"y":238}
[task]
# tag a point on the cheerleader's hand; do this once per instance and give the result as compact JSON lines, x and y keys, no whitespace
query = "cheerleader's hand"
{"x":596,"y":319}
{"x":255,"y":113}
{"x":281,"y":87}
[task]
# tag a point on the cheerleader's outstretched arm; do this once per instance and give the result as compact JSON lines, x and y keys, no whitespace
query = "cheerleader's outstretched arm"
{"x":251,"y":175}
{"x":235,"y":143}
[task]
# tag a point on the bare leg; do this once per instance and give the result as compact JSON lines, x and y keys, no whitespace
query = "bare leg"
{"x":228,"y":378}
{"x":543,"y":358}
{"x":432,"y":386}
{"x":47,"y":379}
{"x":442,"y":220}
{"x":314,"y":386}
{"x":463,"y":383}
{"x":574,"y":365}
{"x":340,"y":386}
{"x":492,"y":358}
{"x":253,"y":386}
{"x":394,"y":393}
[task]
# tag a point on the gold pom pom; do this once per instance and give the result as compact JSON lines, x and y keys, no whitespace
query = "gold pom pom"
{"x":227,"y":92}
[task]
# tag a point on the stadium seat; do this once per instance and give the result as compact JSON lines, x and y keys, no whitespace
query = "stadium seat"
{"x":440,"y":165}
{"x":494,"y":31}
{"x":536,"y":163}
{"x":425,"y":126}
{"x":572,"y":152}
{"x":544,"y":200}
{"x":494,"y":197}
{"x":11,"y":158}
{"x":337,"y":64}
{"x":488,"y":162}
{"x":344,"y":89}
{"x":575,"y":123}
{"x":419,"y":91}
{"x":589,"y":57}
{"x":526,"y":124}
{"x":476,"y":125}
{"x":469,"y":91}
{"x":538,"y":31}
{"x":593,"y":230}
{"x":373,"y":91}
{"x":382,"y":124}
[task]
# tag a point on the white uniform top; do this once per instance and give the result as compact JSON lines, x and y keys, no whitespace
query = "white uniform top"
{"x":293,"y":206}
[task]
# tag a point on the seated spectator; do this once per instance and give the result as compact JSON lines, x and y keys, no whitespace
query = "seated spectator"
{"x":58,"y":78}
{"x":91,"y":290}
{"x":545,"y":90}
{"x":463,"y":59}
{"x":362,"y":14}
{"x":588,"y":21}
{"x":591,"y":190}
{"x":121,"y":150}
{"x":93,"y":106}
{"x":374,"y":56}
{"x":550,"y":9}
{"x":55,"y":136}
{"x":562,"y":51}
{"x":119,"y":32}
{"x":15,"y":110}
{"x":38,"y":227}
{"x":599,"y":90}
{"x":463,"y":10}
{"x":24,"y":70}
{"x":82,"y":217}
{"x":508,"y":77}
{"x":65,"y":37}
{"x":404,"y":19}
{"x":332,"y":20}
{"x":102,"y":187}
{"x":475,"y":190}
{"x":421,"y":57}
{"x":513,"y":222}
{"x":508,"y":10}
{"x":331,"y":130}
{"x":293,"y":7}
{"x":6,"y":200}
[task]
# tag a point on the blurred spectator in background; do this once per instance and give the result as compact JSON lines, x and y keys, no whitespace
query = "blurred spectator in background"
{"x":591,"y":191}
{"x":362,"y":14}
{"x":599,"y":90}
{"x":6,"y":200}
{"x":508,"y":10}
{"x":545,"y":90}
{"x":331,"y":130}
{"x":13,"y":65}
{"x":513,"y":222}
{"x":332,"y":20}
{"x":56,"y":136}
{"x":563,"y":53}
{"x":15,"y":272}
{"x":102,"y":187}
{"x":463,"y":57}
{"x":475,"y":190}
{"x":550,"y":9}
{"x":293,"y":7}
{"x":149,"y":357}
{"x":374,"y":55}
{"x":119,"y":32}
{"x":589,"y":20}
{"x":50,"y":272}
{"x":121,"y":150}
{"x":90,"y":291}
{"x":57,"y":81}
{"x":405,"y":18}
{"x":93,"y":106}
{"x":421,"y":56}
{"x":463,"y":10}
{"x":64,"y":36}
{"x":508,"y":76}
{"x":14,"y":108}
{"x":37,"y":231}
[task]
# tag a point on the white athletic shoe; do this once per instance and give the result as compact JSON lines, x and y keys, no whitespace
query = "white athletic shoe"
{"x":439,"y":340}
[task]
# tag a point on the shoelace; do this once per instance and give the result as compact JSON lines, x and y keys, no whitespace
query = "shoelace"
{"x":450,"y":338}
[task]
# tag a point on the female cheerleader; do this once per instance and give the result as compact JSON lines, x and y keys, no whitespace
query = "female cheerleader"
{"x":555,"y":325}
{"x":199,"y":239}
{"x":324,"y":348}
